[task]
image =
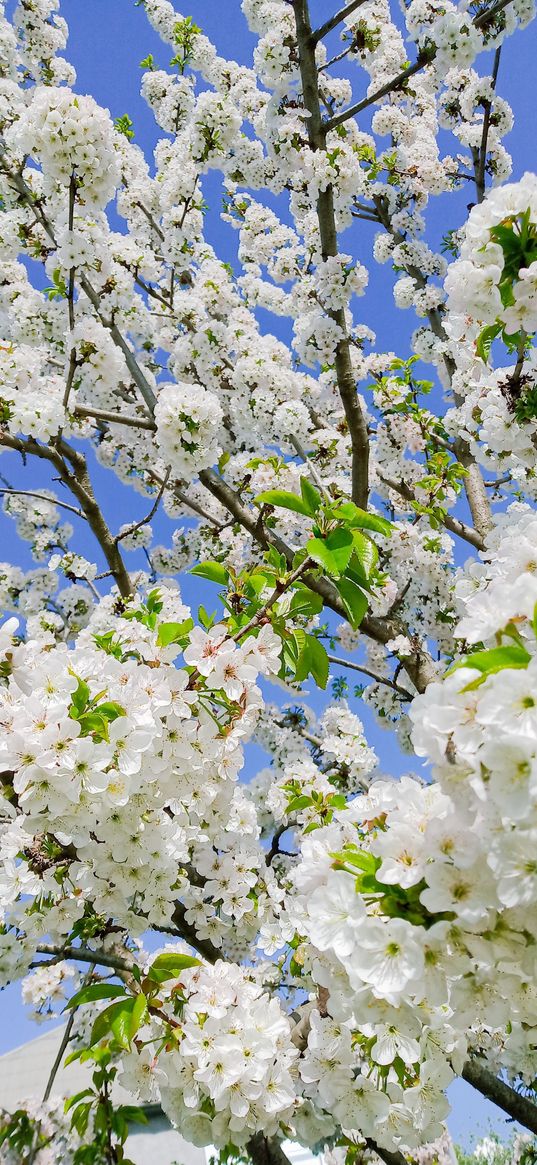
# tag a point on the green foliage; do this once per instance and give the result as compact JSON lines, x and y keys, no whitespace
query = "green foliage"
{"x":147,"y":613}
{"x":93,"y":714}
{"x":58,"y":290}
{"x":122,"y":1020}
{"x":392,"y":900}
{"x":488,"y":663}
{"x":94,"y":991}
{"x":174,"y":633}
{"x":339,"y":546}
{"x":169,"y":966}
{"x":124,"y":125}
{"x":184,"y":36}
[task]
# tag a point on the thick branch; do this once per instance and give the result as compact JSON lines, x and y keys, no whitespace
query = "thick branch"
{"x":78,"y":482}
{"x":346,"y":380}
{"x":266,"y":1151}
{"x":386,"y":1155}
{"x":85,"y":955}
{"x":517,"y":1106}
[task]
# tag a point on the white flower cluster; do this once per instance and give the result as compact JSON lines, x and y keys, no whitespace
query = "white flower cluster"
{"x":71,"y":137}
{"x":507,"y":217}
{"x":189,"y":420}
{"x":102,"y":739}
{"x":230,"y":1073}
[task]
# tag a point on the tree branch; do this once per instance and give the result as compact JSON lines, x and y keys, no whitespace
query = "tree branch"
{"x":78,"y":482}
{"x":115,"y":418}
{"x":419,"y":668}
{"x":453,"y":524}
{"x":338,"y":18}
{"x":85,"y":955}
{"x":29,"y":493}
{"x":349,"y":663}
{"x":398,"y":82}
{"x":387,"y":1155}
{"x":482,"y":153}
{"x":517,"y":1106}
{"x":346,"y":380}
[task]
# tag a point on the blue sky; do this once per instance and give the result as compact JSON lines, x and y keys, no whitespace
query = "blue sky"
{"x":108,"y":39}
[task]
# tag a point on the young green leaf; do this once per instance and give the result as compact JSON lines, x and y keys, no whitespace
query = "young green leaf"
{"x":214,"y":571}
{"x":174,"y":633}
{"x":283,"y":500}
{"x":95,"y":991}
{"x":318,"y":661}
{"x":310,"y":495}
{"x":170,"y":965}
{"x":354,"y":516}
{"x":354,"y":600}
{"x":122,"y":1019}
{"x":490,"y":662}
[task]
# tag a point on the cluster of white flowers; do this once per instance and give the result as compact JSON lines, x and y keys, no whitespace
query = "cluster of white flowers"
{"x":230,"y":1072}
{"x":393,"y":905}
{"x":189,"y":420}
{"x":126,"y":759}
{"x":72,"y":138}
{"x":503,"y":225}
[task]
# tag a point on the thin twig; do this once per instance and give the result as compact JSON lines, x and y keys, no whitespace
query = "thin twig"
{"x":308,"y":461}
{"x":143,"y":521}
{"x":28,"y":493}
{"x":64,"y":1042}
{"x":379,"y":679}
{"x":338,"y":18}
{"x":454,"y":525}
{"x":482,"y":155}
{"x":115,"y":418}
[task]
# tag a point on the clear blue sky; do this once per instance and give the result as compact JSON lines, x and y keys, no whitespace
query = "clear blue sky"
{"x":108,"y":39}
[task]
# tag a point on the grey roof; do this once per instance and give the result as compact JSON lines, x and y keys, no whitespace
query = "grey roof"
{"x":24,"y":1073}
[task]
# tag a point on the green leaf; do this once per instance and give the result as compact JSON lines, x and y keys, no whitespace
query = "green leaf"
{"x":72,"y":1100}
{"x":298,"y":803}
{"x":318,"y":661}
{"x":306,"y":602}
{"x":93,"y":724}
{"x":354,"y":516}
{"x":360,"y":859}
{"x":490,"y":662}
{"x":484,"y":340}
{"x":170,"y":965}
{"x":95,"y":991}
{"x":365,"y":551}
{"x":121,"y":1019}
{"x":333,"y":552}
{"x":79,"y":699}
{"x":131,"y":1113}
{"x":284,"y":500}
{"x":310,"y":495}
{"x":354,"y":600}
{"x":174,"y":633}
{"x":214,"y":571}
{"x":110,"y":709}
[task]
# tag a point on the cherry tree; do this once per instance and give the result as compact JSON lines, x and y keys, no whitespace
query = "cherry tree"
{"x":315,"y":955}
